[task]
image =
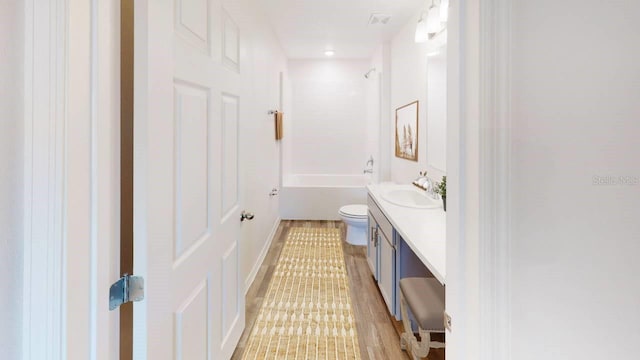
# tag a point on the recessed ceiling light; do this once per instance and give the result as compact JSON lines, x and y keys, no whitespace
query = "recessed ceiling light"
{"x":329,"y":52}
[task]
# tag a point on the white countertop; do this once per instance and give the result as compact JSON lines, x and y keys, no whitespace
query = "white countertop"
{"x":424,"y":230}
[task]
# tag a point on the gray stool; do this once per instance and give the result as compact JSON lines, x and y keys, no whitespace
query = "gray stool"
{"x":424,"y":297}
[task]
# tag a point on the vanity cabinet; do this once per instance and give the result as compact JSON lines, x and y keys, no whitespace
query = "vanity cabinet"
{"x":403,"y":242}
{"x":381,"y":254}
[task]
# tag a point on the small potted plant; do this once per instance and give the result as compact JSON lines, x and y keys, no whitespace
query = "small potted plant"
{"x":441,"y":189}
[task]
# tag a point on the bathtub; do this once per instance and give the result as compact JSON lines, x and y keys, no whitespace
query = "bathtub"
{"x":318,"y":197}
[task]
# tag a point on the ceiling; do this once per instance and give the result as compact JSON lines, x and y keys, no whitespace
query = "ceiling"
{"x":306,"y":28}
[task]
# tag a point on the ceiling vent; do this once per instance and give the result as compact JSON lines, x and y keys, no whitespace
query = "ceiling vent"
{"x":379,"y":19}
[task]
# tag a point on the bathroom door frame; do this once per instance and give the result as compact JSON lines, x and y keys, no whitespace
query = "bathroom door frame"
{"x":71,"y":179}
{"x":479,"y":181}
{"x":478,"y":243}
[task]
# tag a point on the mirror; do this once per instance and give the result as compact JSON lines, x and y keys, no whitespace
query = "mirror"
{"x":437,"y":111}
{"x":407,"y":131}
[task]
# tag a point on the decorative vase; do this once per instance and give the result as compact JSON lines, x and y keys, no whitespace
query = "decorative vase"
{"x":444,"y":203}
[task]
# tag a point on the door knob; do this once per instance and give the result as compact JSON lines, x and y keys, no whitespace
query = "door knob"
{"x":246,"y":216}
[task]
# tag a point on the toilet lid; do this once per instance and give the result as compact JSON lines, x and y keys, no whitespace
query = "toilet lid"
{"x":359,"y":211}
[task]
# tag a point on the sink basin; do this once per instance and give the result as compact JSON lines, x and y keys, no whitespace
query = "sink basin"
{"x":411,"y":198}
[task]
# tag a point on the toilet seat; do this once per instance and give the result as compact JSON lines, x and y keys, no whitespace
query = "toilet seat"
{"x":354,"y":211}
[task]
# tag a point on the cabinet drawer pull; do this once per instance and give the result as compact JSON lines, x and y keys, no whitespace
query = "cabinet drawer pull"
{"x":377,"y":237}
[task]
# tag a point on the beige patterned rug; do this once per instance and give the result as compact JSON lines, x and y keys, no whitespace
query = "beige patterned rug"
{"x":307,"y":313}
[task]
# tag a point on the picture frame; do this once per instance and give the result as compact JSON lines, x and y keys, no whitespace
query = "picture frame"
{"x":407,"y":131}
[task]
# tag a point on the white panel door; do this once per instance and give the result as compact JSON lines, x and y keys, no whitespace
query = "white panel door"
{"x":187,"y":198}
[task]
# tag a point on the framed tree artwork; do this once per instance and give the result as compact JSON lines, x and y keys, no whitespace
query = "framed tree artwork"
{"x":407,"y":131}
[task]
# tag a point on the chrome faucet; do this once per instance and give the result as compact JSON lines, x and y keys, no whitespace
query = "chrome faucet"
{"x":431,"y":190}
{"x":369,"y":165}
{"x":428,"y":185}
{"x":370,"y":161}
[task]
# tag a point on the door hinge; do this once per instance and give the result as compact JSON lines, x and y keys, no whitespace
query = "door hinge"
{"x":127,"y":289}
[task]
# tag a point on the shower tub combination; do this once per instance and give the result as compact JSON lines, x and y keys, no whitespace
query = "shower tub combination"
{"x":318,"y":197}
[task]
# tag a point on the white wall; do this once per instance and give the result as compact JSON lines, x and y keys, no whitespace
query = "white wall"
{"x":329,"y":117}
{"x":11,"y":175}
{"x":286,"y":144}
{"x":262,"y":61}
{"x":409,"y":79}
{"x":576,"y":81}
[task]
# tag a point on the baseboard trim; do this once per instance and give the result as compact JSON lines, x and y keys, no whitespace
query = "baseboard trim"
{"x":263,"y":254}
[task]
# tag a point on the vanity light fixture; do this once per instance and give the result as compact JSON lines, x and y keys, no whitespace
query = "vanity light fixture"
{"x":439,"y":39}
{"x":432,"y":21}
{"x":434,"y":24}
{"x":436,"y":43}
{"x":421,"y":30}
{"x":329,"y":52}
{"x":444,"y":11}
{"x":433,"y":52}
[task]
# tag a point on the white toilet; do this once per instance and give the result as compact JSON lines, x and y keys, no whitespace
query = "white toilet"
{"x":355,"y":216}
